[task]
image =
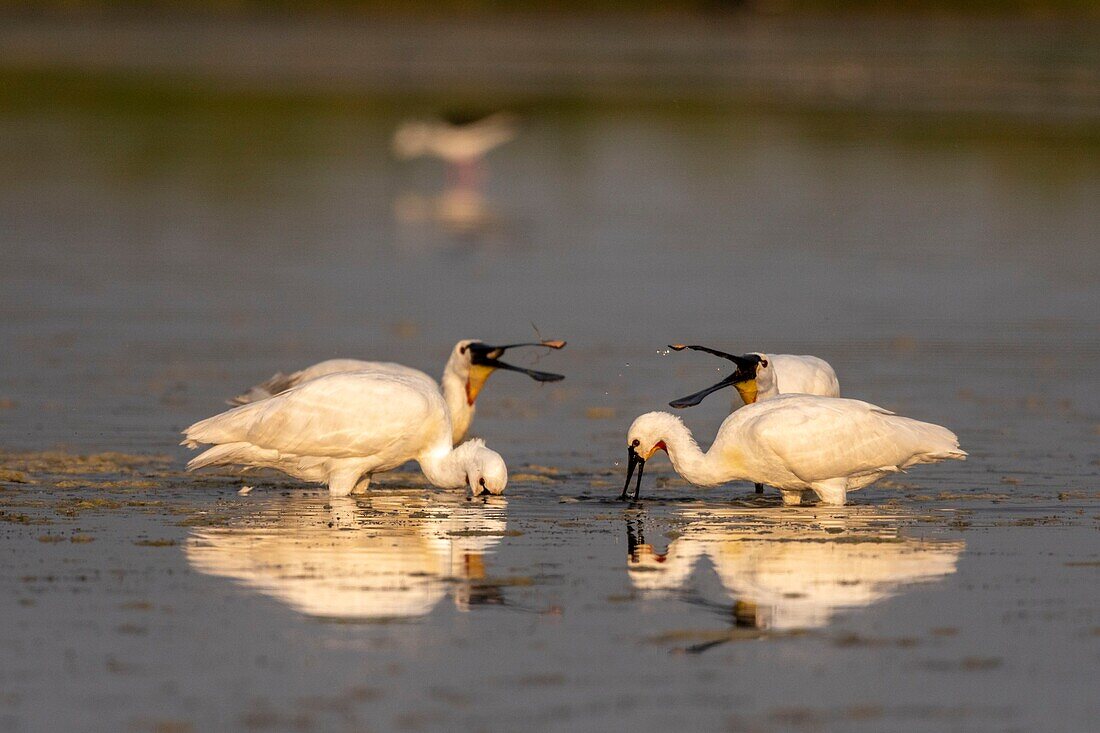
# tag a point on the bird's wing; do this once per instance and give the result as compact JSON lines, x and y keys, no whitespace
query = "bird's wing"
{"x":276,"y":383}
{"x":818,"y":438}
{"x":280,"y":382}
{"x":337,"y":366}
{"x":338,"y":415}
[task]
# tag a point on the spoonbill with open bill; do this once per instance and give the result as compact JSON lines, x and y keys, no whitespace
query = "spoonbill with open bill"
{"x":470,"y":364}
{"x":762,"y":376}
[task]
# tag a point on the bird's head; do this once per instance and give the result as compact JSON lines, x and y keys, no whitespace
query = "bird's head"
{"x":646,"y":436}
{"x":473,"y":361}
{"x":486,"y":472}
{"x":648,"y":432}
{"x":753,"y":374}
{"x":765,"y":373}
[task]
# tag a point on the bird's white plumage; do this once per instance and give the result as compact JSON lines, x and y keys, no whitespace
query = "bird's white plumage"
{"x":799,"y":443}
{"x":282,"y":382}
{"x":326,"y":417}
{"x":794,"y":374}
{"x":340,"y":428}
{"x":454,"y":386}
{"x":456,"y":144}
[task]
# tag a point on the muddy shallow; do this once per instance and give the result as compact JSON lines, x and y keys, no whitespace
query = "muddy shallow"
{"x":948,"y":275}
{"x":186,"y":606}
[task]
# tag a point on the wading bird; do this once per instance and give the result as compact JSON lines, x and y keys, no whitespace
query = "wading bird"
{"x":763,"y":376}
{"x":470,"y":364}
{"x":460,"y":140}
{"x":797,"y":443}
{"x":342,"y":428}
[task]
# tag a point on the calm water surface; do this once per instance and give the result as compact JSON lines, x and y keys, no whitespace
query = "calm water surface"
{"x":160,"y":256}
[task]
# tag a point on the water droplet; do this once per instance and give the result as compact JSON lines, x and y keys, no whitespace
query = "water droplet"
{"x":664,"y":352}
{"x":628,"y":363}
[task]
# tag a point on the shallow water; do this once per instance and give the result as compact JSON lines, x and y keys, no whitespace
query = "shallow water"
{"x":159,"y":257}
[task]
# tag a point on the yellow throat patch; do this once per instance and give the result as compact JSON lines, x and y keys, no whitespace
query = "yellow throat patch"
{"x":746,"y":389}
{"x":476,"y":380}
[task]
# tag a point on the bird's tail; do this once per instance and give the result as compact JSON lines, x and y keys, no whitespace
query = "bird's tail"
{"x":224,"y":428}
{"x":233,"y":453}
{"x":936,"y":443}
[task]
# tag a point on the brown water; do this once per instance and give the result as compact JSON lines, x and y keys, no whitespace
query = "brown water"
{"x":162,"y":252}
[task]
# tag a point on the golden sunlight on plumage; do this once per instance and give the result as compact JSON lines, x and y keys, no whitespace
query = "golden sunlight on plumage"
{"x":785,"y":571}
{"x":469,"y":365}
{"x":393,"y":556}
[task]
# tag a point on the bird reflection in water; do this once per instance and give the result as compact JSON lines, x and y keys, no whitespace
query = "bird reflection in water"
{"x":382,"y":558}
{"x":789,"y":572}
{"x":461,"y":140}
{"x":463,"y":213}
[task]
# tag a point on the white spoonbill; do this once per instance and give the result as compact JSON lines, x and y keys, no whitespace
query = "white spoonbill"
{"x":762,"y":376}
{"x":796,"y":443}
{"x":470,"y":364}
{"x":461,"y":141}
{"x":342,"y":428}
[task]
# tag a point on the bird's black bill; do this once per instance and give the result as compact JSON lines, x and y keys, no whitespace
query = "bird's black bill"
{"x":532,"y":373}
{"x":550,"y":344}
{"x":633,"y":461}
{"x":747,"y":362}
{"x":489,"y":356}
{"x":746,"y":370}
{"x":694,"y":399}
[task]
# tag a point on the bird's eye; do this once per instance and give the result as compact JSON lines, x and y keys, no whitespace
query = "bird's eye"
{"x":764,"y":363}
{"x":481,"y":482}
{"x":462,"y":349}
{"x":635,"y":443}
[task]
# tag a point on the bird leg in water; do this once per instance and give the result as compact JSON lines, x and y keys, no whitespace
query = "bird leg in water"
{"x":791,"y":497}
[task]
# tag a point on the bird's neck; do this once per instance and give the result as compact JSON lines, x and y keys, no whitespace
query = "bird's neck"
{"x":689,"y":460}
{"x":454,"y":393}
{"x":766,"y":392}
{"x":443,"y":465}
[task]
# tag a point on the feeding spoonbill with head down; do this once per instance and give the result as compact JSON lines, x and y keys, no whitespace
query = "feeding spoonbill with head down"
{"x":797,"y":443}
{"x":470,"y":364}
{"x":763,"y":376}
{"x":341,"y":428}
